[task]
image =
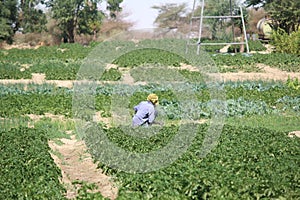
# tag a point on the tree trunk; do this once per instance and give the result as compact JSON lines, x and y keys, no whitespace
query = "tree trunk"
{"x":71,"y":36}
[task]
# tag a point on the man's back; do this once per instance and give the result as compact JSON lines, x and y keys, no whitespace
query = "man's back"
{"x":144,"y":113}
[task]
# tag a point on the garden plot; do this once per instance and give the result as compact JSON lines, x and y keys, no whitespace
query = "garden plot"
{"x":249,"y":162}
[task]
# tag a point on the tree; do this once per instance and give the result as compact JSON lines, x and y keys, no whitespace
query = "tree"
{"x":285,"y":14}
{"x":8,"y":17}
{"x":31,"y":19}
{"x":111,"y":26}
{"x":114,"y":7}
{"x":171,"y":16}
{"x":79,"y":16}
{"x":217,"y":8}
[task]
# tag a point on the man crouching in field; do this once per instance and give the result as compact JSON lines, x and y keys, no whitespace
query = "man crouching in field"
{"x":145,"y":112}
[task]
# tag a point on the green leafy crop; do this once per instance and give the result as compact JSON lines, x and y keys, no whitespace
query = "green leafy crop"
{"x":26,"y":167}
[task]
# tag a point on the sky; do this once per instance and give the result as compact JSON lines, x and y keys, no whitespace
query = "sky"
{"x":142,"y":14}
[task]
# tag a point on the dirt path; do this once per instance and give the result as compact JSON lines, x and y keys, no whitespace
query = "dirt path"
{"x":268,"y":74}
{"x":77,"y":164}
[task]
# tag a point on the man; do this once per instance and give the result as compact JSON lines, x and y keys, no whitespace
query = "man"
{"x":145,"y":112}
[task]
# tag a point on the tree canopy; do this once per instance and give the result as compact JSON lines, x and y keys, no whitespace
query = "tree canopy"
{"x":285,"y":14}
{"x":80,"y":16}
{"x":30,"y":17}
{"x":8,"y":16}
{"x":170,"y":15}
{"x":71,"y":17}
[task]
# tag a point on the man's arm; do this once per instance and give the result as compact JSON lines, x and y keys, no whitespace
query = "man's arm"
{"x":151,"y":116}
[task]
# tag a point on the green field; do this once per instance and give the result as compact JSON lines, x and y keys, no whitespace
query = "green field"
{"x":254,"y":158}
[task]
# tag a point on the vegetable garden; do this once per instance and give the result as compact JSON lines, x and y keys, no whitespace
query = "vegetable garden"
{"x":254,"y":157}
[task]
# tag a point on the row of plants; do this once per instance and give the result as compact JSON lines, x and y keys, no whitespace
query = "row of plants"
{"x":248,"y":62}
{"x":108,"y":89}
{"x":239,"y":99}
{"x":26,"y":167}
{"x":53,"y":70}
{"x":247,"y":163}
{"x":63,"y":62}
{"x":254,"y":45}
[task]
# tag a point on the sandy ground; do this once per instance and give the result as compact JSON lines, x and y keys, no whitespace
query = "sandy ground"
{"x":77,"y":164}
{"x":268,"y":73}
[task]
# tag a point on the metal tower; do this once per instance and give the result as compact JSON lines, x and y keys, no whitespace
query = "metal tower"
{"x":202,"y":17}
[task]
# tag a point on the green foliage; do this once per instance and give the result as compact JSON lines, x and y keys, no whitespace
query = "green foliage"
{"x":26,"y":167}
{"x":31,"y":18}
{"x":293,"y":83}
{"x":276,"y":122}
{"x":254,"y":45}
{"x":82,"y":17}
{"x":10,"y":70}
{"x":149,"y":56}
{"x":242,"y":98}
{"x":64,"y":61}
{"x":114,"y":7}
{"x":289,"y":103}
{"x":85,"y":191}
{"x":212,"y":48}
{"x":217,"y":8}
{"x":16,"y":105}
{"x":56,"y":62}
{"x":193,"y":77}
{"x":170,"y":15}
{"x":8,"y":16}
{"x":111,"y":75}
{"x":285,"y":14}
{"x":248,"y":163}
{"x":54,"y":128}
{"x":286,"y":43}
{"x":248,"y":62}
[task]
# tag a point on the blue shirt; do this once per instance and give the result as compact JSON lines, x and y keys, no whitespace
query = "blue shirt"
{"x":144,"y":114}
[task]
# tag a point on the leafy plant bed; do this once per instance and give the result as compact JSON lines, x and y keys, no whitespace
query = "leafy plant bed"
{"x":248,"y":163}
{"x":149,"y":56}
{"x":277,"y":122}
{"x":26,"y":167}
{"x":9,"y":70}
{"x":62,"y":62}
{"x":248,"y":62}
{"x":243,"y":98}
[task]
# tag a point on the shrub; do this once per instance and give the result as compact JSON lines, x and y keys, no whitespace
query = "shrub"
{"x":286,"y":43}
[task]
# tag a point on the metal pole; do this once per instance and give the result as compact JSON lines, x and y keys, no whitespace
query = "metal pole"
{"x":244,"y":27}
{"x":200,"y":28}
{"x":191,"y":26}
{"x":233,"y":35}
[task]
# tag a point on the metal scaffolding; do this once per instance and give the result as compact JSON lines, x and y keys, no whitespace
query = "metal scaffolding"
{"x":202,"y":17}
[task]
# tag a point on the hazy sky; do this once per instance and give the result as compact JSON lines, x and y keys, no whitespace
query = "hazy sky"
{"x":141,"y":12}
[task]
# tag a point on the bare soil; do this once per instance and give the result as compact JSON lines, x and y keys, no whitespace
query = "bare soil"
{"x":294,"y":134}
{"x":268,"y":74}
{"x":76,"y":164}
